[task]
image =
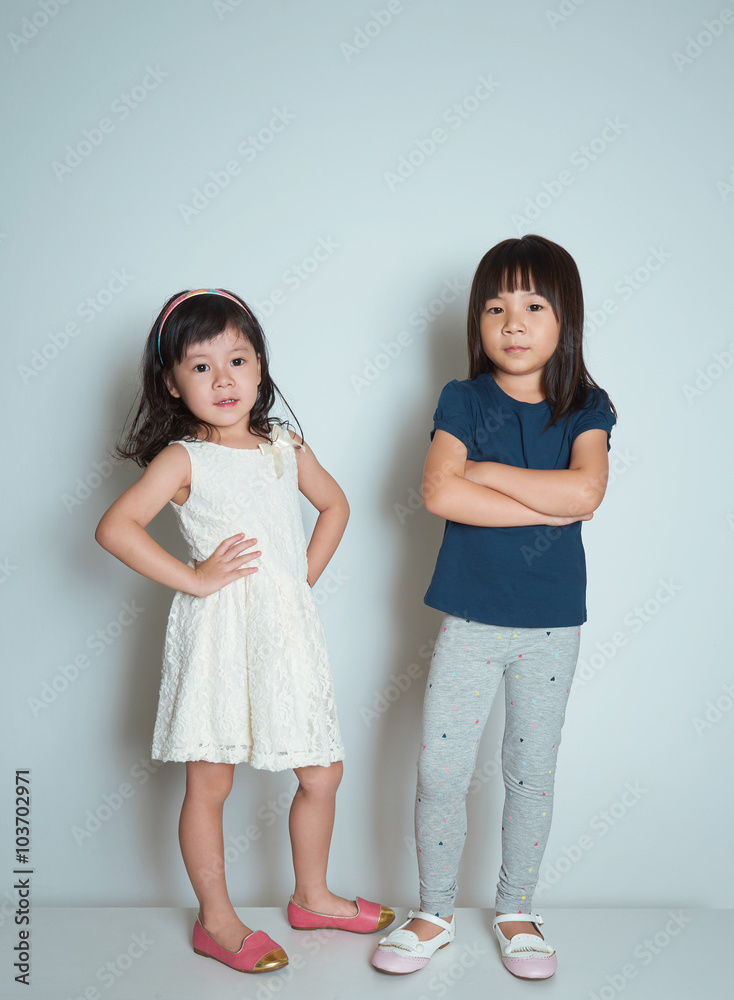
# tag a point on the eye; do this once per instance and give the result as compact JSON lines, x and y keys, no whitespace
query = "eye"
{"x":534,"y":305}
{"x":234,"y":360}
{"x":492,"y":308}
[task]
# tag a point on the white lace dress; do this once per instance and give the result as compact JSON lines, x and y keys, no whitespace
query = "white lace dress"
{"x":246,"y":674}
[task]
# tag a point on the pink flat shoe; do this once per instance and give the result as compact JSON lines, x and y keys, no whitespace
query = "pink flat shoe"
{"x":403,"y":952}
{"x":259,"y":953}
{"x":526,"y":955}
{"x":370,"y":917}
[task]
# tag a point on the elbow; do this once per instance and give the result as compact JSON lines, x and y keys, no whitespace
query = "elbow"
{"x":442,"y":490}
{"x":344,"y":504}
{"x":337,"y":510}
{"x":99,"y":534}
{"x":434,"y":499}
{"x":438,"y":488}
{"x":433,"y":506}
{"x":588,"y":498}
{"x":105,"y":533}
{"x":104,"y":538}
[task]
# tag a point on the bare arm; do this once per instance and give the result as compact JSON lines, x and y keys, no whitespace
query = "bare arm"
{"x":121,"y":531}
{"x":323,"y":491}
{"x":575,"y":491}
{"x":448,"y":494}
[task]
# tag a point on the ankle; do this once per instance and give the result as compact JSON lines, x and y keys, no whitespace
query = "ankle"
{"x":217,"y":917}
{"x":311,"y":900}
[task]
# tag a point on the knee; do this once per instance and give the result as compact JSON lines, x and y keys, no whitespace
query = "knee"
{"x":533,"y":774}
{"x":320,"y":781}
{"x":211,"y":782}
{"x":433,"y":778}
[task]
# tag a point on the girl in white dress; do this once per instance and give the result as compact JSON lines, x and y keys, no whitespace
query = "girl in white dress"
{"x":245,"y":674}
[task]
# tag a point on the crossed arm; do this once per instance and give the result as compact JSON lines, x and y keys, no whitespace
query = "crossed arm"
{"x":497,"y":495}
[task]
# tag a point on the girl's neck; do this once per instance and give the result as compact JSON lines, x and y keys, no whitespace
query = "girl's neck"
{"x":523,"y":388}
{"x":232,"y":437}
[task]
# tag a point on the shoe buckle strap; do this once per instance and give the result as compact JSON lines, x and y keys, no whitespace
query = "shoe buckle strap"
{"x":432,"y":918}
{"x":533,"y":918}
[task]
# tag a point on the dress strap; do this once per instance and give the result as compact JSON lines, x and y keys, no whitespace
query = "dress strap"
{"x":281,"y":440}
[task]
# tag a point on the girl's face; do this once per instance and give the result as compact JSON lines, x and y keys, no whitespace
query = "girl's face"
{"x":519,"y":319}
{"x":226,"y":368}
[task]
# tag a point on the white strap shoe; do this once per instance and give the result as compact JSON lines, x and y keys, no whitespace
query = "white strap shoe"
{"x":525,"y":955}
{"x":402,"y":951}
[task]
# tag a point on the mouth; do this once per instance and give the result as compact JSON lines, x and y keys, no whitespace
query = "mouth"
{"x":227,"y":402}
{"x":515,"y":350}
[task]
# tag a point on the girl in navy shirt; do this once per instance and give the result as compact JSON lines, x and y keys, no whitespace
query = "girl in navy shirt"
{"x":518,"y":460}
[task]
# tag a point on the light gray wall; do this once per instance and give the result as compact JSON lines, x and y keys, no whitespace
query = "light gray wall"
{"x":646,"y":210}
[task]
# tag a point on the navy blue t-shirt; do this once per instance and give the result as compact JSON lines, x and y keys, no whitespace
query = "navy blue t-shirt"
{"x":531,"y":576}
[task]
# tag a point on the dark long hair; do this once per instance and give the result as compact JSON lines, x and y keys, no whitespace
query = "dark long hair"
{"x":161,"y":417}
{"x":533,"y":261}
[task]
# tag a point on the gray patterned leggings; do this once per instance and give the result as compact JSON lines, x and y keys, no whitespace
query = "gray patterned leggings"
{"x":469,"y":661}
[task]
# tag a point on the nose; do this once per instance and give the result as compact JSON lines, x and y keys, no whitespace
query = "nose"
{"x":224,"y":377}
{"x":514,"y":320}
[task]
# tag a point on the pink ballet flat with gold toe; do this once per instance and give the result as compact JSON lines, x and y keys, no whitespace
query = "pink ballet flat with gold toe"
{"x":259,"y":953}
{"x":370,"y":917}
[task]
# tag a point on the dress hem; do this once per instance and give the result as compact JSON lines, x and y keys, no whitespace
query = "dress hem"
{"x":260,"y":763}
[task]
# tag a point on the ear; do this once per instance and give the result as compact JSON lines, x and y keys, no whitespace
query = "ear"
{"x":170,"y":384}
{"x":259,"y":371}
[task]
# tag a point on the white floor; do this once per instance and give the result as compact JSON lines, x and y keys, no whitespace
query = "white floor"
{"x":146,"y":954}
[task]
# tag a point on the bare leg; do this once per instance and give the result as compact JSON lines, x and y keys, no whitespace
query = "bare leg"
{"x":202,"y":846}
{"x":310,"y":823}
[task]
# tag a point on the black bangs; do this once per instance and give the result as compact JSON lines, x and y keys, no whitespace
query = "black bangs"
{"x":195,"y":322}
{"x":518,"y":265}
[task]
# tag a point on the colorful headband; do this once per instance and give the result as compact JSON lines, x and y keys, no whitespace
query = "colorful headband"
{"x":186,"y":295}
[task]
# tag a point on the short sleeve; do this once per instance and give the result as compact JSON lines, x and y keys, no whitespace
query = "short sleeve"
{"x":452,"y":414}
{"x":596,"y":413}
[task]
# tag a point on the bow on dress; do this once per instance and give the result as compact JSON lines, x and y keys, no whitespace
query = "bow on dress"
{"x":282,"y":441}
